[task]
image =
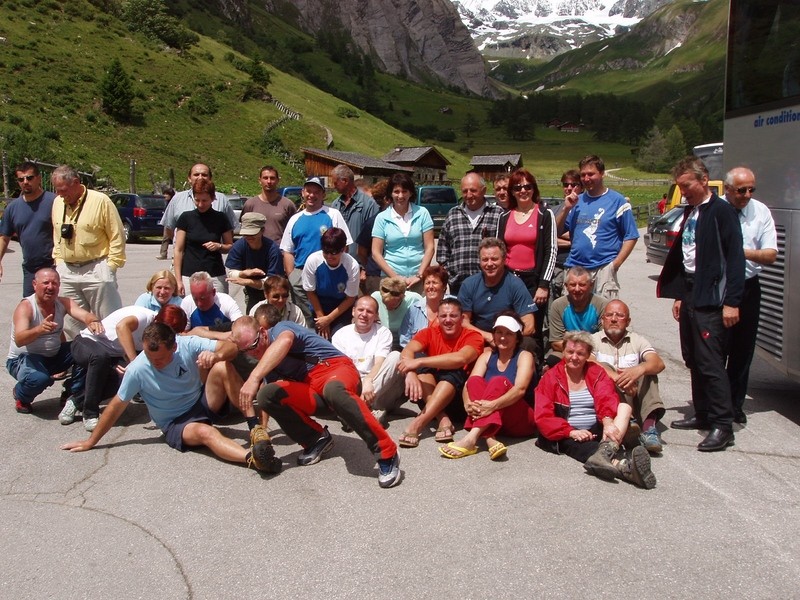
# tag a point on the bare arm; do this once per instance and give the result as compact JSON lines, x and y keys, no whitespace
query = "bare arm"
{"x":125,"y":329}
{"x":91,"y":320}
{"x":177,"y":259}
{"x":624,"y":253}
{"x":108,"y":417}
{"x":3,"y":247}
{"x":767,"y":256}
{"x":528,"y":324}
{"x":377,"y":256}
{"x":288,"y":262}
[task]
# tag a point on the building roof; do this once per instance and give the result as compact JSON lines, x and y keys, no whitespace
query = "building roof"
{"x":404,"y":154}
{"x":355,"y":160}
{"x":496,"y":160}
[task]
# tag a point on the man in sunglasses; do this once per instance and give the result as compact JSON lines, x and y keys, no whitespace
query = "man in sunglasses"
{"x":601,"y":227}
{"x":30,"y":217}
{"x":760,"y":248}
{"x":704,"y":273}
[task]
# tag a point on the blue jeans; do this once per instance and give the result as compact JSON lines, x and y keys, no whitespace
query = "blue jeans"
{"x":34,"y":372}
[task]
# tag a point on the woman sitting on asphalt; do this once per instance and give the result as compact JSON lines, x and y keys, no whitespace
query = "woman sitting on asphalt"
{"x":578,"y":413}
{"x":425,"y":312}
{"x":394,"y":301}
{"x":498,"y":397}
{"x":162,"y":289}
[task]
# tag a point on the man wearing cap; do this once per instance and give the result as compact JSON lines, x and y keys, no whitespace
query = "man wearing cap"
{"x":303,"y":236}
{"x":252,"y":258}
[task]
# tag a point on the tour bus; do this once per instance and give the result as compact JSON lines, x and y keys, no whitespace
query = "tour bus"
{"x":762,"y":132}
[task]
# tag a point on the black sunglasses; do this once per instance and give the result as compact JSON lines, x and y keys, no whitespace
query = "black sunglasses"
{"x":527,"y":187}
{"x":743,"y":190}
{"x":394,"y":293}
{"x":25,"y":178}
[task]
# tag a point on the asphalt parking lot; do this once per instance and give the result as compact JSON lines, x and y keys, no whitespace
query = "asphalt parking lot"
{"x":135,"y":519}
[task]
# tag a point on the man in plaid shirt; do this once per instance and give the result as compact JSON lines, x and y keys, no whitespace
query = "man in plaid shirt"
{"x":465,"y":226}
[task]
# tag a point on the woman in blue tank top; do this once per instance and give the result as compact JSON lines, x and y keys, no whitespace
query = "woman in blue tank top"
{"x":498,"y":396}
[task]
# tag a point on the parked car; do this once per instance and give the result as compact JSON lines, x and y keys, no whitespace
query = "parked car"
{"x":140,"y":214}
{"x":663,"y":232}
{"x":438,"y":199}
{"x":237,"y":204}
{"x":292,"y":192}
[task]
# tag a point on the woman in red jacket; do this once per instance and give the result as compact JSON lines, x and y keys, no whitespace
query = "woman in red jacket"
{"x":578,"y":413}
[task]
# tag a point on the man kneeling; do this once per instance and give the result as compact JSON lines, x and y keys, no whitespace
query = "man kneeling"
{"x":167,"y":375}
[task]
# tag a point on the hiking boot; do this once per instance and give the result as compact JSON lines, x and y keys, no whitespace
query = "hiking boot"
{"x":636,"y":469}
{"x":67,"y":414}
{"x":24,"y":408}
{"x":262,"y":458}
{"x":599,"y":464}
{"x":259,"y":434}
{"x":631,"y":437}
{"x":651,"y":441}
{"x":389,"y":471}
{"x":313,"y":454}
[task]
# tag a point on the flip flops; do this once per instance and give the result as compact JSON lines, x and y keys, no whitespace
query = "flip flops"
{"x":498,"y":450}
{"x":408,"y":440}
{"x":445,"y":433}
{"x":462,"y":452}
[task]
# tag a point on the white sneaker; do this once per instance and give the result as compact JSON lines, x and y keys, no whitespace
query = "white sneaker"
{"x":380,"y":417}
{"x":90,"y":424}
{"x":67,"y":414}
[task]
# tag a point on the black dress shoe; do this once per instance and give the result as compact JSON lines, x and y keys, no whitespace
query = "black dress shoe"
{"x":717,"y":439}
{"x":690,"y":423}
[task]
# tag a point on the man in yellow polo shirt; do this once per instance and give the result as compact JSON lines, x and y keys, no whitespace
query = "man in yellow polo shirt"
{"x":88,"y":245}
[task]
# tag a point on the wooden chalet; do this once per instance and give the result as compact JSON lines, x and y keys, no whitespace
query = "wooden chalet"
{"x":321,"y":163}
{"x":429,"y":165}
{"x":492,"y":165}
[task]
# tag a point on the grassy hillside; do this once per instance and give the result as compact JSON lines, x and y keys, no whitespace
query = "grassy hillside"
{"x":56,"y":52}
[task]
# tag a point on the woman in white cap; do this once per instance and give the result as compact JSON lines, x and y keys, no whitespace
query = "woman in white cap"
{"x":498,"y":396}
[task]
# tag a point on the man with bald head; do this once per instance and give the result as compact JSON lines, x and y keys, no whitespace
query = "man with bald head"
{"x":465,"y":226}
{"x":184,"y":201}
{"x":760,"y":248}
{"x":633,"y":365}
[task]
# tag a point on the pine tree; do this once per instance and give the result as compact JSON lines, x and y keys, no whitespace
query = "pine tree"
{"x":116,"y":91}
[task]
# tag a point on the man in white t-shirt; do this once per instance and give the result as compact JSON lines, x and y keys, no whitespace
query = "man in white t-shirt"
{"x":369,"y":346}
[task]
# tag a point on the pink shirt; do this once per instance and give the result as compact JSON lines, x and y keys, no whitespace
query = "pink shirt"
{"x":521,"y":242}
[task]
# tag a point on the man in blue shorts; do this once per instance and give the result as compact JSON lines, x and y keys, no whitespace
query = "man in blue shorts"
{"x":306,"y":373}
{"x":167,"y":376}
{"x":601,"y":228}
{"x":29,"y":216}
{"x":485,"y":294}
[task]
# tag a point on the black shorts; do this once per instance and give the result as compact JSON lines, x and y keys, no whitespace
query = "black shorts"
{"x":198,"y":413}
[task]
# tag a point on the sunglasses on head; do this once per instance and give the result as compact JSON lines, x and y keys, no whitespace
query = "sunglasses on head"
{"x":394,"y":293}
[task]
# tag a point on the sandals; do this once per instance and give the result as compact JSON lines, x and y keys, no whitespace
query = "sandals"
{"x":445,"y":433}
{"x":459,"y":451}
{"x":408,"y":440}
{"x":498,"y":451}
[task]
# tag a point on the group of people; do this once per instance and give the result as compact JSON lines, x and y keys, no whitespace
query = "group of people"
{"x":345,"y":313}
